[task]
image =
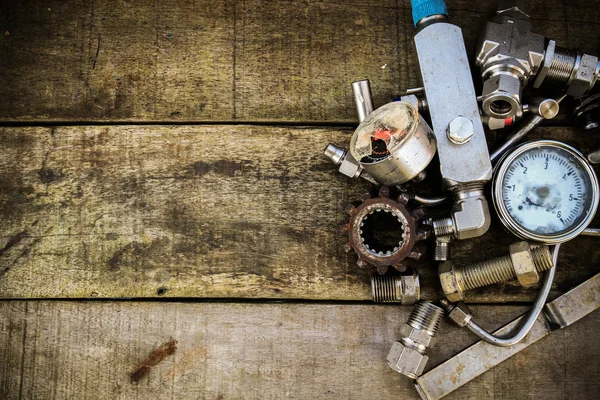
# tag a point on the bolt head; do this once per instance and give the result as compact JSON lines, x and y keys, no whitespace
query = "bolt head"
{"x":460,"y":130}
{"x":449,"y":282}
{"x":406,"y":361}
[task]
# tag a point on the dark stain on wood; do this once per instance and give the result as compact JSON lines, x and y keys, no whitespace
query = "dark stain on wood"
{"x":49,"y":175}
{"x":228,"y":168}
{"x":133,"y":252}
{"x":13,"y":241}
{"x":159,"y":354}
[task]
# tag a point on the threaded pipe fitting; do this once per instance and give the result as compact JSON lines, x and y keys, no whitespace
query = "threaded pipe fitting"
{"x":408,"y":356}
{"x":426,"y":317}
{"x":561,"y":68}
{"x":443,"y":226}
{"x":391,"y":288}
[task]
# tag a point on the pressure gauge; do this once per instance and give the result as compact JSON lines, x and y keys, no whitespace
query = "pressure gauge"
{"x":545,"y":191}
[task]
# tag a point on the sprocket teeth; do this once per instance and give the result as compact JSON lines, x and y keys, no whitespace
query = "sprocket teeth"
{"x":384,"y":191}
{"x":344,"y":228}
{"x":417,"y":252}
{"x":402,"y":267}
{"x":382,"y":270}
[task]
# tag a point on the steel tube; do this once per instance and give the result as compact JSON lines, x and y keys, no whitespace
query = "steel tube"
{"x":362,"y":98}
{"x":528,"y":321}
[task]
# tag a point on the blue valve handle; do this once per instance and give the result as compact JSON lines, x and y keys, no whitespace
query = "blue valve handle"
{"x":425,"y":8}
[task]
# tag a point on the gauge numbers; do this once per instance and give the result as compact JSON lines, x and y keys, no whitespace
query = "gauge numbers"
{"x":545,"y":191}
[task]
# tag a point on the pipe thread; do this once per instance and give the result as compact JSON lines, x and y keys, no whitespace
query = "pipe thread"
{"x":386,"y":288}
{"x":426,"y":316}
{"x":443,"y":226}
{"x":561,"y":67}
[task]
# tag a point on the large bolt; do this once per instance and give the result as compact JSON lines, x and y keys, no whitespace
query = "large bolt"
{"x":523,"y":264}
{"x":408,"y":356}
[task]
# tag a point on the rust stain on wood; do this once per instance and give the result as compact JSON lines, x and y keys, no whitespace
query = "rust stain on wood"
{"x":162,"y":352}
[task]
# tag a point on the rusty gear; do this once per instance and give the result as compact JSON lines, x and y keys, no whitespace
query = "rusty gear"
{"x":371,"y":249}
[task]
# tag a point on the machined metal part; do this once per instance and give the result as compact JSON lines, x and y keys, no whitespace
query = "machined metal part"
{"x":450,"y":94}
{"x":508,"y":54}
{"x":383,"y":232}
{"x":459,"y":312}
{"x":395,"y":288}
{"x":362,"y":98}
{"x":470,"y":216}
{"x":481,"y":357}
{"x":523,"y":264}
{"x":342,"y":158}
{"x":442,"y":248}
{"x":409,"y":355}
{"x":394,"y":144}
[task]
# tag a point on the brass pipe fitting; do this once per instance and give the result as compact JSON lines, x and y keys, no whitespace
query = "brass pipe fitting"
{"x":523,"y":264}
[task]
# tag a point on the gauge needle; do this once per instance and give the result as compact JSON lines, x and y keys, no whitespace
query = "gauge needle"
{"x":531,"y":202}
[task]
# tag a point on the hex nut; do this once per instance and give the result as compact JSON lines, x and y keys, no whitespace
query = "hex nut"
{"x":349,"y":166}
{"x":460,"y":130}
{"x":419,"y":337}
{"x":548,"y":56}
{"x":523,"y":264}
{"x":406,"y":361}
{"x":585,"y":76}
{"x":501,"y":96}
{"x":411,"y":287}
{"x":449,"y":283}
{"x":461,"y":314}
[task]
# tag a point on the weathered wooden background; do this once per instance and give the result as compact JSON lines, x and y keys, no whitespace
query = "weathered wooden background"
{"x":154,"y":149}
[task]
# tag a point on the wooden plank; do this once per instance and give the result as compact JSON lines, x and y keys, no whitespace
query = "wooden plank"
{"x":203,"y":211}
{"x":89,"y":350}
{"x":99,"y":60}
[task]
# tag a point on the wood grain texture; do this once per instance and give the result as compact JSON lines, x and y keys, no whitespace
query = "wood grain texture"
{"x":203,"y":211}
{"x":88,"y":350}
{"x":181,"y":60}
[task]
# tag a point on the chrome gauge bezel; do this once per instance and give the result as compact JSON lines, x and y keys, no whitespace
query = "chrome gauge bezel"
{"x":507,"y":220}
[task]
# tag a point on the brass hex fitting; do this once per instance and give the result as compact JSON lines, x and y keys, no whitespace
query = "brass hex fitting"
{"x":523,"y":264}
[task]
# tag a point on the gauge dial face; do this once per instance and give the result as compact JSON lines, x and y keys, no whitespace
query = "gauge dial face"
{"x":547,"y":191}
